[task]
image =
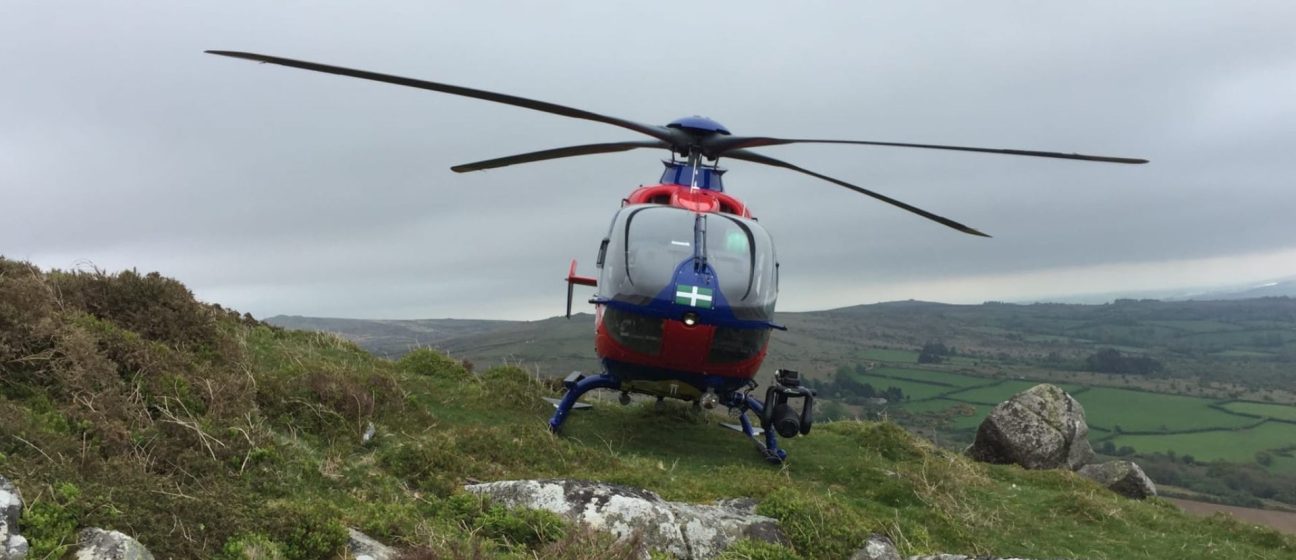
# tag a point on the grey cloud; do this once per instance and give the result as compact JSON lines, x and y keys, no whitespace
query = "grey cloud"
{"x":277,"y":190}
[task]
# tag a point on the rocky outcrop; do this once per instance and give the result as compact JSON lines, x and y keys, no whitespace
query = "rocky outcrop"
{"x":98,"y":544}
{"x":877,"y":547}
{"x":12,"y":545}
{"x":962,"y":557}
{"x":681,"y":529}
{"x":363,"y":547}
{"x":1040,"y":428}
{"x":880,"y":547}
{"x":1122,"y":477}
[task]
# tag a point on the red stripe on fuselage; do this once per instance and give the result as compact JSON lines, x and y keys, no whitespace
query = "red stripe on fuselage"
{"x":683,"y":348}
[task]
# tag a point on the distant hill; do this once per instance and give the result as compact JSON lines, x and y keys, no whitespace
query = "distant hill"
{"x":1249,"y":342}
{"x":1283,"y":287}
{"x":390,"y":338}
{"x":1279,"y":288}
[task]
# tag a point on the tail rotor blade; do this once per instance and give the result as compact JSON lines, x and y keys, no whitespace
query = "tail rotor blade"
{"x":658,"y":132}
{"x":724,"y":145}
{"x":765,"y":160}
{"x":556,"y":153}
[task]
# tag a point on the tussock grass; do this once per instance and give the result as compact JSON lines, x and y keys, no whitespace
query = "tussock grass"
{"x":126,"y":404}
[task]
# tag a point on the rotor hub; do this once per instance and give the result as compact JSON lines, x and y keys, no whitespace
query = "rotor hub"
{"x":698,"y":123}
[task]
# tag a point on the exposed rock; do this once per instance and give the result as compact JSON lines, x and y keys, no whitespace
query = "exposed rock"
{"x":681,"y":529}
{"x":98,"y":544}
{"x":12,"y":545}
{"x":962,"y":557}
{"x":1122,"y":477}
{"x":362,"y":547}
{"x":15,"y":548}
{"x":10,"y":502}
{"x":1039,"y":428}
{"x":877,"y":547}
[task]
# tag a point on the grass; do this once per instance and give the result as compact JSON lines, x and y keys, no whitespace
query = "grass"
{"x":962,"y":416}
{"x":1243,"y":354}
{"x":913,"y":390}
{"x":1228,"y":445}
{"x":1200,"y":326}
{"x":227,"y":439}
{"x":1141,"y":411}
{"x":1285,"y":464}
{"x":890,"y":355}
{"x":1275,"y":411}
{"x":929,"y":376}
{"x":995,"y":394}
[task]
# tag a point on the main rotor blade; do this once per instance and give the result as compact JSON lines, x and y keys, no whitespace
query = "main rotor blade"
{"x":570,"y":151}
{"x":758,"y":158}
{"x":658,"y":132}
{"x":721,"y":145}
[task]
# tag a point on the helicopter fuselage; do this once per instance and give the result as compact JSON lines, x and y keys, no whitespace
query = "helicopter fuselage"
{"x":686,"y":291}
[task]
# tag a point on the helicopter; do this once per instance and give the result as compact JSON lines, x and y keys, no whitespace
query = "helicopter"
{"x":688,"y":278}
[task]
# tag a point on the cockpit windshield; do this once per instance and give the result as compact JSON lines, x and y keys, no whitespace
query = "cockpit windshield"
{"x":648,"y":243}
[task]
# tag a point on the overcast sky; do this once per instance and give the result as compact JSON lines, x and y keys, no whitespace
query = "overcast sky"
{"x":275,"y":190}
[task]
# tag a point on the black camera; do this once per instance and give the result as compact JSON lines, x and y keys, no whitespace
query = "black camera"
{"x":779,"y":414}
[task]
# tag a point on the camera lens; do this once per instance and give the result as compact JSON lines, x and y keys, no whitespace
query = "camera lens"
{"x":786,"y":422}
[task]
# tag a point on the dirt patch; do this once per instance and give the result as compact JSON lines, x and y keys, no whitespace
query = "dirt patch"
{"x":1284,"y":521}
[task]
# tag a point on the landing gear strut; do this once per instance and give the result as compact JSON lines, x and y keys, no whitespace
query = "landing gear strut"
{"x":769,"y":449}
{"x":577,"y":384}
{"x":775,"y":414}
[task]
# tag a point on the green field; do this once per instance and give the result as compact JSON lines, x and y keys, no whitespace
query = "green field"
{"x":889,"y":355}
{"x":1243,"y":354}
{"x":960,"y":422}
{"x":1283,"y":465}
{"x":930,"y":405}
{"x":1229,"y":445}
{"x":1276,"y":411}
{"x":1140,"y":411}
{"x":953,"y":380}
{"x":914,"y":390}
{"x":1050,"y":338}
{"x":996,"y":394}
{"x":1197,"y":326}
{"x":1240,"y":338}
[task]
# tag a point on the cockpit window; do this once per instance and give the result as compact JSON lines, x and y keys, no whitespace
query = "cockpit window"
{"x":647,"y":243}
{"x":656,"y":243}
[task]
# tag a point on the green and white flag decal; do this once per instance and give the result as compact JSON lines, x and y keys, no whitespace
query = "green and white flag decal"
{"x":694,"y":296}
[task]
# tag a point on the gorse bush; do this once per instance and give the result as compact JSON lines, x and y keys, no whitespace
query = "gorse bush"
{"x":27,"y":311}
{"x":429,"y":362}
{"x":155,"y":307}
{"x":50,"y":521}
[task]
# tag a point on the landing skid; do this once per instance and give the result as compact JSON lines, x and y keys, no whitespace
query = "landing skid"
{"x":578,"y":384}
{"x":577,"y":406}
{"x":768,"y":449}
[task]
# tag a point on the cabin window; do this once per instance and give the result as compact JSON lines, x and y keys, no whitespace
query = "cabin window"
{"x":602,"y":253}
{"x":648,"y":243}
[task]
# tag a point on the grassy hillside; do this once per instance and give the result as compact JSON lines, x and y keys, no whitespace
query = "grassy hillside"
{"x":125,"y":404}
{"x":1226,"y":374}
